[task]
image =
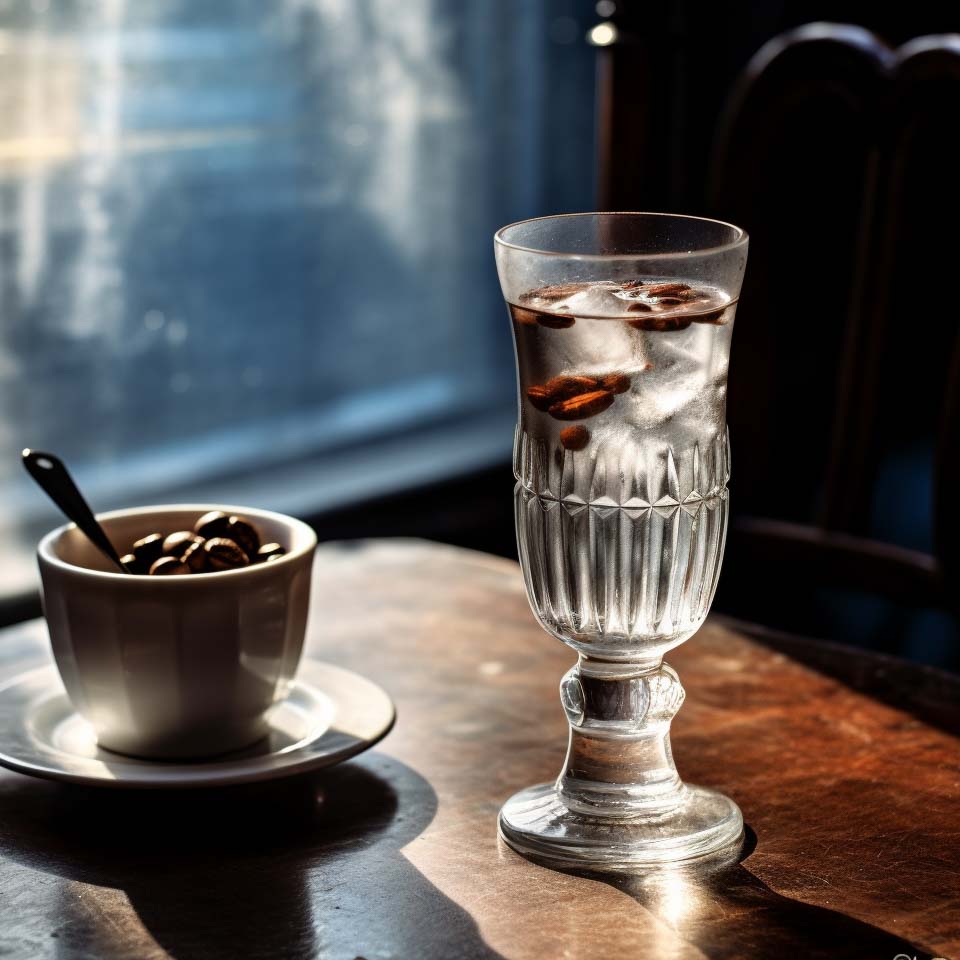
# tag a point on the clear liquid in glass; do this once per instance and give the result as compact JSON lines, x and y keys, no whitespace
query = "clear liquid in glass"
{"x":621,"y":459}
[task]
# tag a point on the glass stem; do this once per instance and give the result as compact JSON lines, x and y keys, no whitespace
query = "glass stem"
{"x":619,"y":763}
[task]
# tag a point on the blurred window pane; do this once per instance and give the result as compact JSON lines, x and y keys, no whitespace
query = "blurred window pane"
{"x":233,"y":234}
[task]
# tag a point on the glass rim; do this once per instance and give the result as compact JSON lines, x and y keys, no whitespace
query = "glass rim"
{"x":742,"y":237}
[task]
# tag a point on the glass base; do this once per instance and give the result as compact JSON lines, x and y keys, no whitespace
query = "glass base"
{"x":704,"y":823}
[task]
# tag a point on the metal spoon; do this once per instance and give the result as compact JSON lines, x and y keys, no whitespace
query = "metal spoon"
{"x":55,"y":480}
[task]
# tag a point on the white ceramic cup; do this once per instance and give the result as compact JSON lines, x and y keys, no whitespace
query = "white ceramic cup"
{"x":176,"y":667}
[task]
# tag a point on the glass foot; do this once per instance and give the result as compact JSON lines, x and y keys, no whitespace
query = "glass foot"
{"x":536,"y":823}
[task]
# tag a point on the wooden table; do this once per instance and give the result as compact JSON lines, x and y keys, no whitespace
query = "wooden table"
{"x":852,"y":804}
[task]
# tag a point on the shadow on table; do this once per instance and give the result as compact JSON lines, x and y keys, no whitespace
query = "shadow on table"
{"x":291,"y":869}
{"x":727,"y":912}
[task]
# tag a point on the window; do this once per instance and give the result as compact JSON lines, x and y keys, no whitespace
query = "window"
{"x":246,"y":248}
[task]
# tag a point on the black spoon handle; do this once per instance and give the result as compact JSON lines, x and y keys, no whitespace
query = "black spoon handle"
{"x":51,"y":474}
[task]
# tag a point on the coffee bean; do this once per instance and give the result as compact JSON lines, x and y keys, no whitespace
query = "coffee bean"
{"x":149,"y":548}
{"x":133,"y":564}
{"x":212,"y":524}
{"x":714,"y":316}
{"x":269,"y":551}
{"x":554,"y":292}
{"x":540,"y":397}
{"x":195,"y":557}
{"x":169,"y":567}
{"x":224,"y":554}
{"x":243,"y":534}
{"x":175,"y":544}
{"x":564,"y":387}
{"x":574,"y":438}
{"x":527,"y":318}
{"x":615,"y":382}
{"x":583,"y":406}
{"x":678,"y":321}
{"x":554,"y":321}
{"x":556,"y":389}
{"x":666,"y":290}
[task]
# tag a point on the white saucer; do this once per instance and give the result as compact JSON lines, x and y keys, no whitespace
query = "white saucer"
{"x":331,"y":714}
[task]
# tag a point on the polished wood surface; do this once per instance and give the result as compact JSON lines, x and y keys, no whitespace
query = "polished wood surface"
{"x":851,"y":804}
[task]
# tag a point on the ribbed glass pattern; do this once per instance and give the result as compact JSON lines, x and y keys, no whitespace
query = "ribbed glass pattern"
{"x":623,"y":471}
{"x":617,"y":581}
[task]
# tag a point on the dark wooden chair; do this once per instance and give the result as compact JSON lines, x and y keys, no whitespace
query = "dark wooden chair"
{"x":836,"y":153}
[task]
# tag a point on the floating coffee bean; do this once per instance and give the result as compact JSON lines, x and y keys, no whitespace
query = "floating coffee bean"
{"x":224,"y":554}
{"x":714,"y":316}
{"x":660,"y":324}
{"x":212,"y":524}
{"x":243,"y":534}
{"x":195,"y":557}
{"x":169,"y":567}
{"x":554,"y":321}
{"x":544,"y":396}
{"x":175,"y":544}
{"x":149,"y":548}
{"x":540,"y":397}
{"x":552,"y":293}
{"x":562,"y":388}
{"x":269,"y":551}
{"x":526,"y":317}
{"x":666,"y":289}
{"x":638,"y":306}
{"x":574,"y":438}
{"x":583,"y":406}
{"x":615,"y":382}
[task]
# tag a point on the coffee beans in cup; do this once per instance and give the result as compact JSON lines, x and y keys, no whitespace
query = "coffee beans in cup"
{"x":218,"y":541}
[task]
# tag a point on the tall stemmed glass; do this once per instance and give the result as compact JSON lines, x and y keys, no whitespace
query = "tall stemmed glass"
{"x":622,"y":324}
